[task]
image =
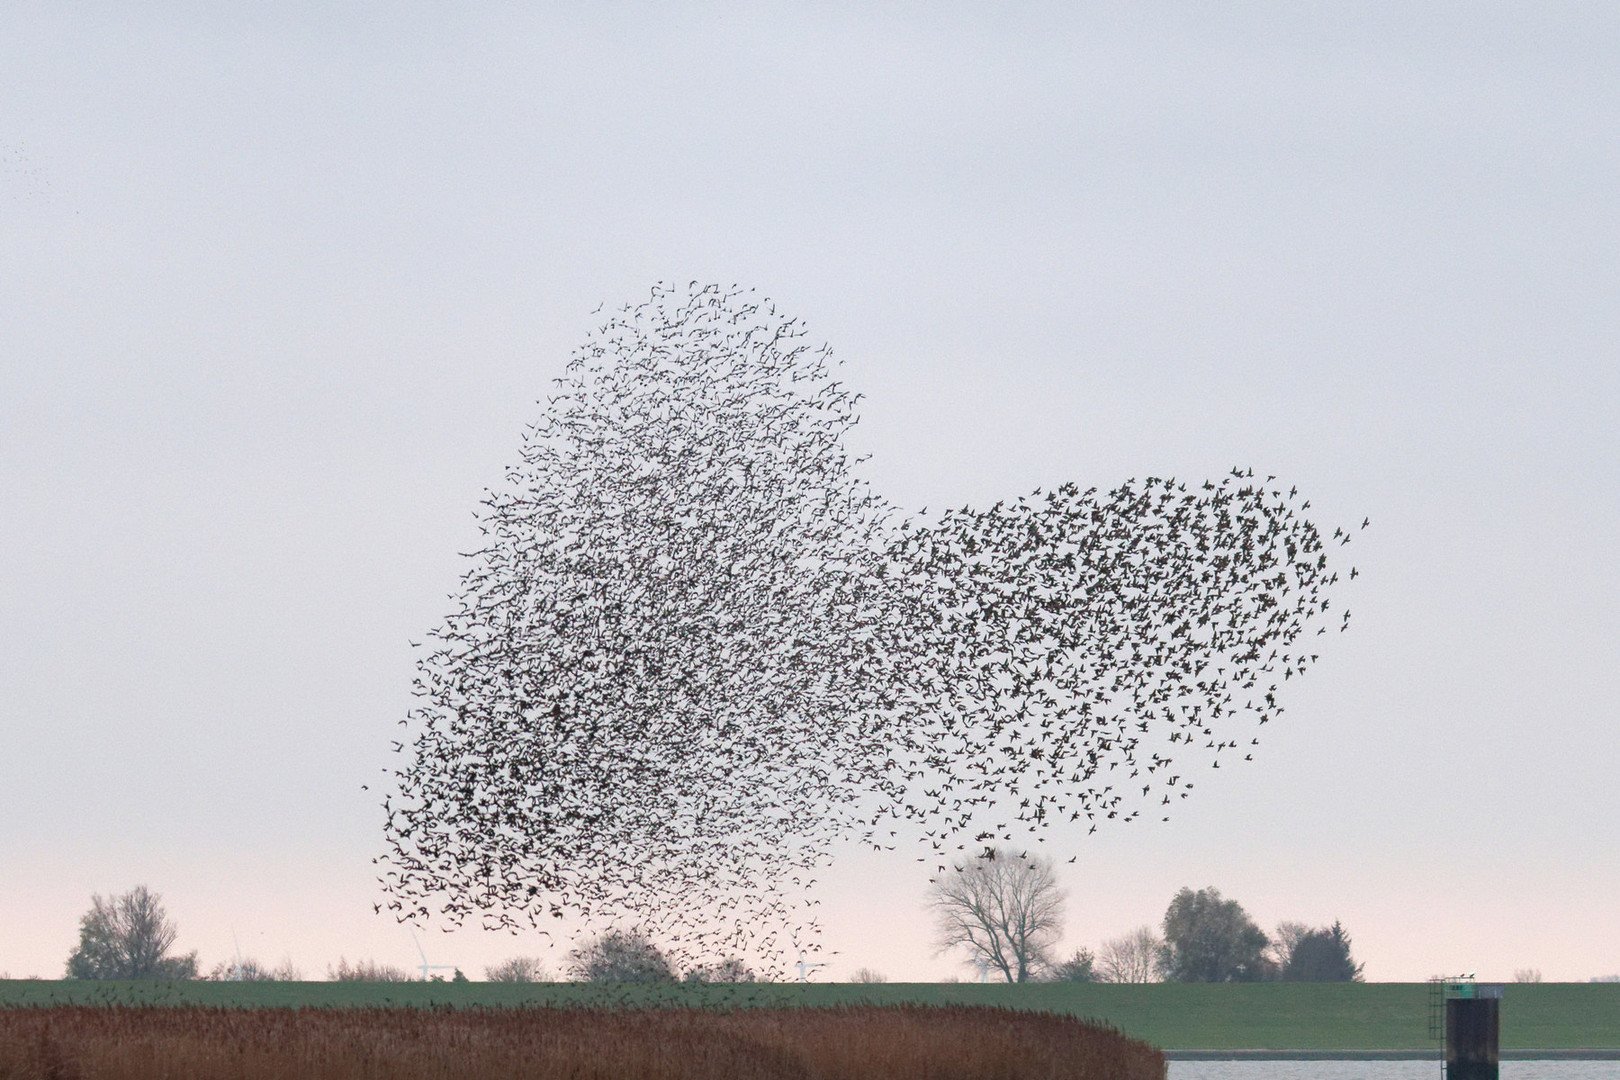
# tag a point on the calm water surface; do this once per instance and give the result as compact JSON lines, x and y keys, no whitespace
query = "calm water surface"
{"x":1382,"y":1070}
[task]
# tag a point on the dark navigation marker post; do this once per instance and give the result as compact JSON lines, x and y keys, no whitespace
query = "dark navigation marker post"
{"x":1473,"y":1027}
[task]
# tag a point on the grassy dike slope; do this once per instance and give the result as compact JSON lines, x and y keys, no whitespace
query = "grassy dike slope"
{"x":1262,"y":1016}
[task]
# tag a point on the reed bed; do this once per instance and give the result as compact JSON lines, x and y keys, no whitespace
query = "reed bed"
{"x":905,"y":1042}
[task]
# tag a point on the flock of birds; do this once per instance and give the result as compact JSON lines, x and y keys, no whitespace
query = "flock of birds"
{"x":696,"y":649}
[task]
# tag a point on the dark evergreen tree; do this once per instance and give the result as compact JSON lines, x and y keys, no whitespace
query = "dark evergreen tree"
{"x":1323,"y":956}
{"x":1081,"y":967}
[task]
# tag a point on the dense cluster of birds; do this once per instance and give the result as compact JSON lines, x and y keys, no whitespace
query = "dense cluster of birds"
{"x":696,"y":649}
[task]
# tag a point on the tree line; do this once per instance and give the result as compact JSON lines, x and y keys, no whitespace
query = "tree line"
{"x":130,"y":936}
{"x":1004,"y":913}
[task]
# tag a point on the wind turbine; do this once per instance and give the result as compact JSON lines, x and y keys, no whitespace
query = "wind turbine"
{"x":425,"y":966}
{"x":806,"y":966}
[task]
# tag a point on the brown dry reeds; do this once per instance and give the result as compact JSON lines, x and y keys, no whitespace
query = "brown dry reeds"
{"x":847,"y":1043}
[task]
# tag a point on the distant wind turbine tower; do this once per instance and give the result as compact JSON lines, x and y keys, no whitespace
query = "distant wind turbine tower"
{"x":425,"y":966}
{"x":806,"y":966}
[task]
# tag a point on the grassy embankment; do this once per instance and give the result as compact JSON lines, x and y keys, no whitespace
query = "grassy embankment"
{"x":1375,"y":1016}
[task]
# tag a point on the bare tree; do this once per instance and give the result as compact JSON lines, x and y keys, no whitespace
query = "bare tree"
{"x":1005,"y":910}
{"x":620,"y":956}
{"x":1527,"y":975}
{"x":519,"y":969}
{"x":868,"y":975}
{"x":1130,"y":958}
{"x":128,"y":937}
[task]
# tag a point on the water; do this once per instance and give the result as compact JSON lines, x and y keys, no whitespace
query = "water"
{"x":1382,"y":1070}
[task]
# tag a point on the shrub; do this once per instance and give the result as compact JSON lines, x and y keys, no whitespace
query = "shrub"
{"x":729,"y":970}
{"x":519,"y":969}
{"x":620,"y":956}
{"x":1081,"y":967}
{"x":367,"y":971}
{"x":250,"y":970}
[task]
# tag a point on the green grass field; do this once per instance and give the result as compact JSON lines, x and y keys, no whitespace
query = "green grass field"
{"x":1264,"y":1016}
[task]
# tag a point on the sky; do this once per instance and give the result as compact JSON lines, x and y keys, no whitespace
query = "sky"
{"x":280,"y":286}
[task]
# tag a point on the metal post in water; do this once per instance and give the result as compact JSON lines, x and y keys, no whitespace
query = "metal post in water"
{"x":1473,"y":1031}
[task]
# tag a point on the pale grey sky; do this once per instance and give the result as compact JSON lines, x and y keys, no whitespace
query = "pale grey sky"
{"x":281,"y":284}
